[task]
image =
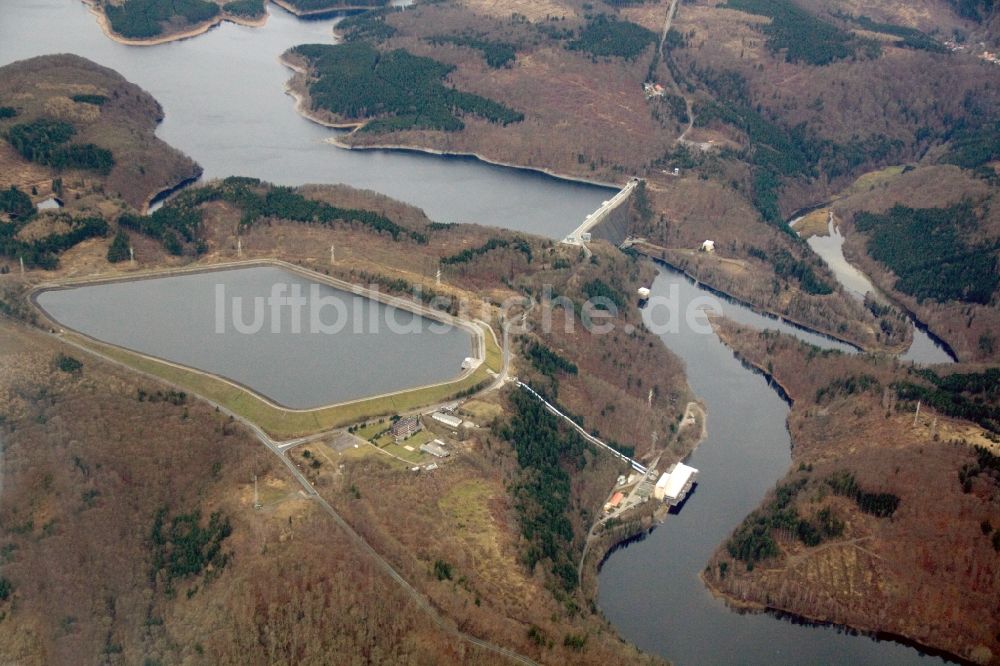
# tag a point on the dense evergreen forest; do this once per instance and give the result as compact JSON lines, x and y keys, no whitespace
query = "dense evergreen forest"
{"x":399,"y":90}
{"x":776,"y":152}
{"x":44,"y":252}
{"x":754,"y":540}
{"x":975,"y":10}
{"x":788,"y":267}
{"x":606,"y":36}
{"x":171,"y":225}
{"x":182,"y":547}
{"x":497,"y":54}
{"x":7,"y":112}
{"x":320,"y":5}
{"x":971,"y":396}
{"x":178,"y":224}
{"x":119,"y":249}
{"x":542,"y":492}
{"x":974,"y":144}
{"x":16,"y":203}
{"x":599,"y":289}
{"x":910,"y":38}
{"x":468,"y":254}
{"x":927,"y":250}
{"x":245,"y":8}
{"x":142,"y":19}
{"x":367,"y":26}
{"x":804,"y":38}
{"x":95,"y":100}
{"x":548,"y":362}
{"x":880,"y":505}
{"x":46,"y":142}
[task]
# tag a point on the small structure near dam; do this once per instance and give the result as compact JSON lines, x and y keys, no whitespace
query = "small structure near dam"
{"x":609,"y":222}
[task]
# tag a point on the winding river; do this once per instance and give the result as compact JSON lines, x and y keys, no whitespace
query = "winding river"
{"x":925,"y":349}
{"x":650,"y":590}
{"x":224,"y":103}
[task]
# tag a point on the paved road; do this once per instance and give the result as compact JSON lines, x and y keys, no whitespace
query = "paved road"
{"x":667,"y":24}
{"x":671,"y":13}
{"x":278,"y":448}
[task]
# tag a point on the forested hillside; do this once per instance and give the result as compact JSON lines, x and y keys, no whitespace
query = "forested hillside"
{"x":395,"y":90}
{"x":141,"y":19}
{"x":76,"y":128}
{"x":887,"y":515}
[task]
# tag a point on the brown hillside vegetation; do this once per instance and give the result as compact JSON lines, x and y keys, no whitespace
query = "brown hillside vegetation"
{"x":584,"y":116}
{"x":969,"y":328}
{"x":462,"y":514}
{"x":927,"y":571}
{"x":86,"y":467}
{"x":601,"y":126}
{"x":124,"y":123}
{"x":454,"y":533}
{"x":688,"y":211}
{"x":610,"y":393}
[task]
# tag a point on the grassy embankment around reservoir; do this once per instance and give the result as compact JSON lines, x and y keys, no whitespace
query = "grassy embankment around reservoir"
{"x":620,"y":386}
{"x":285,"y":423}
{"x":470,"y":551}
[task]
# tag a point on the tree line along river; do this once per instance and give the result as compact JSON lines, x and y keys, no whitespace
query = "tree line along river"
{"x":223,"y":95}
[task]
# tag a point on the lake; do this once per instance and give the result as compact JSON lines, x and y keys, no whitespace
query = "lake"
{"x":358,"y":348}
{"x":223,"y":95}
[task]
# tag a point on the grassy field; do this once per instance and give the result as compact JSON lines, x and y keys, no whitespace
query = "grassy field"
{"x":815,"y":223}
{"x":869,"y":181}
{"x":283,"y":423}
{"x":413,"y":454}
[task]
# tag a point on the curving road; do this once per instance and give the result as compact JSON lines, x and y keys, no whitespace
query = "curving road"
{"x":671,"y":13}
{"x":278,"y":448}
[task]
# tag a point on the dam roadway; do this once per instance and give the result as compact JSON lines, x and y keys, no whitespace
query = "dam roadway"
{"x":580,"y":235}
{"x":225,"y":105}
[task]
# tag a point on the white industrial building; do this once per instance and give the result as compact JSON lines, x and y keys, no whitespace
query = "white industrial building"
{"x":435,"y":448}
{"x":674,"y":485}
{"x":449,"y":420}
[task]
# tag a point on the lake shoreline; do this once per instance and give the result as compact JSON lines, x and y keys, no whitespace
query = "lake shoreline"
{"x":756,"y":308}
{"x":639,"y":525}
{"x":753,"y":607}
{"x":295,"y":88}
{"x":195,"y":31}
{"x":881,"y":292}
{"x":415,"y":308}
{"x":478,"y":156}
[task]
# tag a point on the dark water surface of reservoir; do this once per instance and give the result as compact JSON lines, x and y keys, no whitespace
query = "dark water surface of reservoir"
{"x":650,"y":590}
{"x":377,"y":349}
